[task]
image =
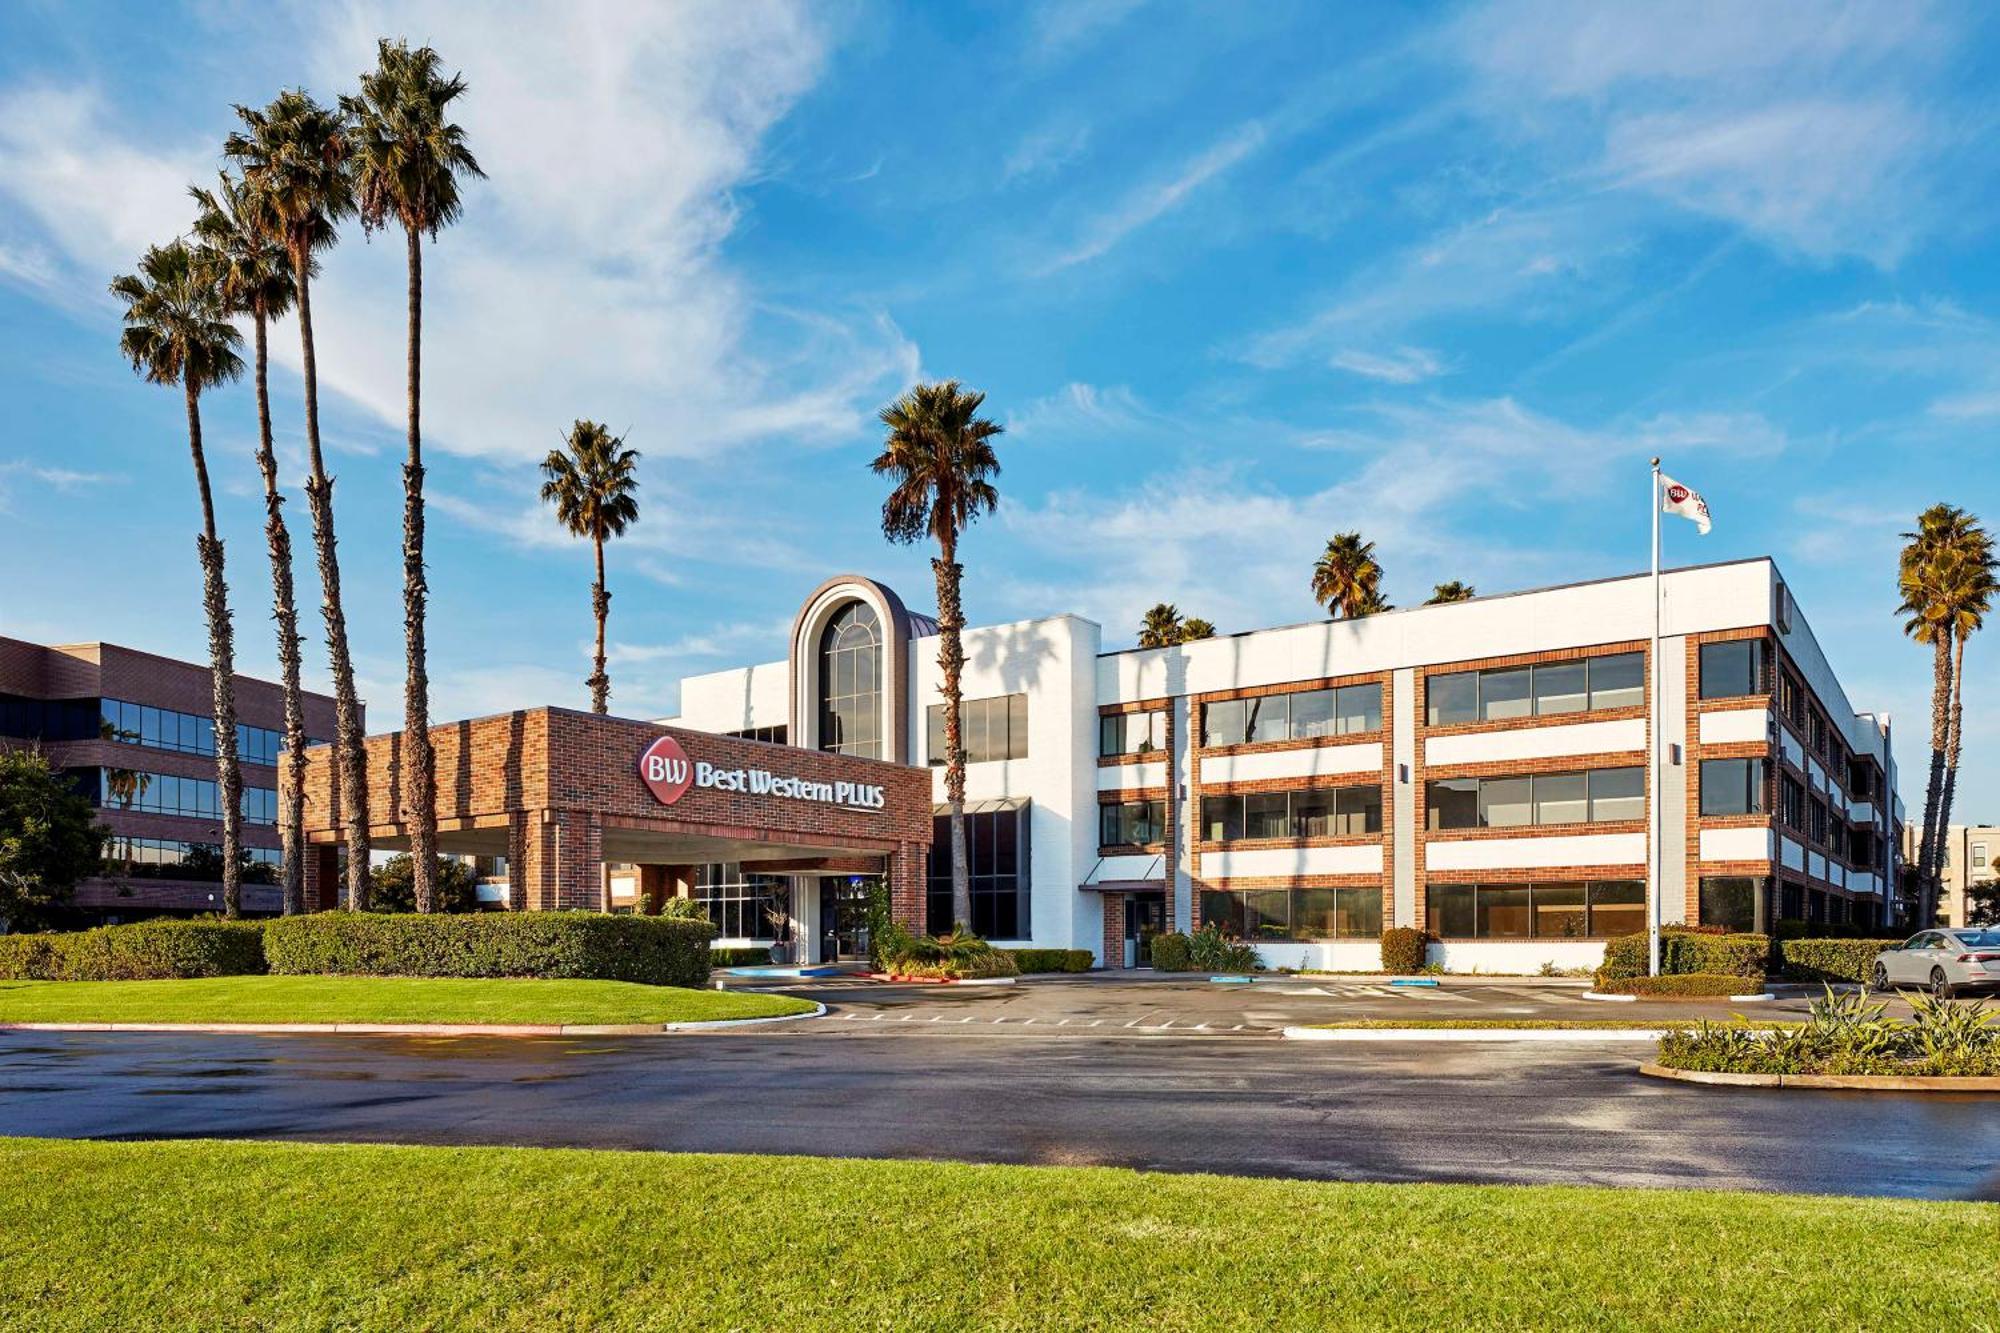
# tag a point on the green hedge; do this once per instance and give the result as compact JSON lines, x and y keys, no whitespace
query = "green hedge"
{"x":1829,"y":960}
{"x":1682,"y":983}
{"x":1052,"y":960}
{"x":739,"y":957}
{"x":582,"y":946}
{"x":1172,"y":952}
{"x":143,"y":951}
{"x":1683,"y":951}
{"x":1405,"y":950}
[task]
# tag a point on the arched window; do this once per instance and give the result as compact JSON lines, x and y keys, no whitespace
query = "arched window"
{"x":850,"y":682}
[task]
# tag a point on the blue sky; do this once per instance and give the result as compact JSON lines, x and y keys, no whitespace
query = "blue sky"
{"x":1235,"y":277}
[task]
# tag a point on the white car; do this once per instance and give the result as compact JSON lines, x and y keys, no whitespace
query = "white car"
{"x":1941,"y":961}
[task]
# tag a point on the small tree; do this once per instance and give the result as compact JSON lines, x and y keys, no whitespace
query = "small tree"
{"x":393,"y":885}
{"x":50,"y":840}
{"x":1982,"y":903}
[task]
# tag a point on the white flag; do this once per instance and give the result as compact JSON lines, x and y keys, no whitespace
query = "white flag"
{"x":1678,"y":499}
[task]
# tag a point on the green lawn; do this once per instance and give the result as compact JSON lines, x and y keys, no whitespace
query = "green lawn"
{"x":1510,"y":1024}
{"x":375,"y":1000}
{"x":241,"y":1235}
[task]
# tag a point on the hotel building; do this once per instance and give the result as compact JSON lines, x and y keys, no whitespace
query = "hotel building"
{"x":135,"y":732}
{"x":1478,"y":769}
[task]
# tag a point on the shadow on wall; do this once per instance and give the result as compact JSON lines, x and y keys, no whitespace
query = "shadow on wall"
{"x":1018,"y":654}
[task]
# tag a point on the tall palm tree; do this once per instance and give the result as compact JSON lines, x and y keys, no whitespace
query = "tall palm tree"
{"x":177,"y":331}
{"x":237,"y":241}
{"x":406,"y":157}
{"x":1161,"y":626}
{"x":1453,"y":591}
{"x":594,"y":487}
{"x":1194,"y":627}
{"x":939,"y":455}
{"x":1927,"y":601}
{"x":293,"y":153}
{"x":1346,"y":580}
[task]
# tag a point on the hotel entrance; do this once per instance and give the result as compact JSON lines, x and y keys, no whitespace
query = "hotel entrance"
{"x":1145,"y":918}
{"x":843,"y":918}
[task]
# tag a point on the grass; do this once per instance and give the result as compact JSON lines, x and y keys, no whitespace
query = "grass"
{"x":99,"y":1235}
{"x":375,"y":1000}
{"x":1580,"y":1024}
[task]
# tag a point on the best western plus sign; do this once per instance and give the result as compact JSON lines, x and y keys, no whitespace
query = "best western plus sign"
{"x":668,"y":773}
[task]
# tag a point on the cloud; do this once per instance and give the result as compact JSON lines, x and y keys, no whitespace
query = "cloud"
{"x":1045,"y":152}
{"x":589,"y":275}
{"x":1404,"y":365}
{"x":1152,"y":201}
{"x":1059,"y":28}
{"x":1090,"y":411}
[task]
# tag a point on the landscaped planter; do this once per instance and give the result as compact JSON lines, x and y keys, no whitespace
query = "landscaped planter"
{"x":1842,"y":1082}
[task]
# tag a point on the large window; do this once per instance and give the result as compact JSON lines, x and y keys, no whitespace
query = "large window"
{"x":1731,"y":670}
{"x":1599,"y":796}
{"x":996,"y":838}
{"x":1735,"y":902}
{"x":995,"y":728}
{"x":166,"y":858}
{"x":850,"y":682}
{"x":1792,"y":803}
{"x":1327,"y":812}
{"x":772,"y":735}
{"x":1346,"y":710}
{"x":165,"y":794}
{"x":187,"y":733}
{"x":1131,"y":733}
{"x":1733,"y":787}
{"x":1551,"y":688}
{"x":1131,"y":823}
{"x":1556,"y":910}
{"x":48,"y":719}
{"x":742,"y":905}
{"x":1294,"y":914}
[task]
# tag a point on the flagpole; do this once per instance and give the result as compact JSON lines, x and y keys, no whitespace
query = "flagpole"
{"x":1653,"y":791}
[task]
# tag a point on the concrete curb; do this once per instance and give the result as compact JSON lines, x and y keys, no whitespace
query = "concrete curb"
{"x":1609,"y":999}
{"x":423,"y":1029}
{"x":1840,"y":1082}
{"x":1473,"y":1034}
{"x":1678,"y":999}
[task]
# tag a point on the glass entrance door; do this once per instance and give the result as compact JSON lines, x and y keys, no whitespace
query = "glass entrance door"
{"x":1145,"y":917}
{"x":843,"y":919}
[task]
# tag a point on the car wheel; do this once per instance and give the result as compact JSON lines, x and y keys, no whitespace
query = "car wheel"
{"x":1940,"y":984}
{"x":1881,"y":981}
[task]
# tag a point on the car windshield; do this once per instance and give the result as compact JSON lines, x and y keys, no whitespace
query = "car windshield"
{"x":1978,"y":939}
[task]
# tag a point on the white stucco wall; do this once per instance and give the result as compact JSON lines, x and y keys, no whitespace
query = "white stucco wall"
{"x":1526,"y":853}
{"x":1363,"y":761}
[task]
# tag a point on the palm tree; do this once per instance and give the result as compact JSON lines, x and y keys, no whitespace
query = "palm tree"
{"x":406,"y":157}
{"x":177,"y":331}
{"x":293,"y":154}
{"x":237,"y":241}
{"x":1347,"y":580}
{"x":594,"y":487}
{"x":1161,"y":626}
{"x":1929,"y":592}
{"x":939,"y":453}
{"x":1194,"y":627}
{"x":1453,"y":591}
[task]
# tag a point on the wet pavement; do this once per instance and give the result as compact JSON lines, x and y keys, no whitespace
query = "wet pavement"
{"x":895,"y":1073}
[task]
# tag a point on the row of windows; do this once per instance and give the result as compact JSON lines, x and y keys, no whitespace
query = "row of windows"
{"x":1323,"y":813}
{"x":165,"y":794}
{"x":164,"y":858}
{"x":1740,"y":787}
{"x":1595,"y":910}
{"x":189,"y":733}
{"x":1617,"y":681}
{"x":775,"y":735}
{"x":48,"y":719}
{"x":742,"y":906}
{"x":1294,"y":914}
{"x":1599,"y":796}
{"x":995,"y":728}
{"x":996,"y":844}
{"x":1744,"y":667}
{"x":1131,"y":823}
{"x":1131,"y":733}
{"x":1301,"y":715}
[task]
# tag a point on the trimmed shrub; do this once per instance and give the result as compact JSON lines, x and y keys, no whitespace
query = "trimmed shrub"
{"x":957,"y":955}
{"x":1682,"y":984}
{"x":739,"y":957}
{"x":1791,"y":928}
{"x":1212,"y":951}
{"x":1683,"y":951}
{"x":1404,"y":950}
{"x":1172,"y":953}
{"x":1051,"y":960}
{"x":992,"y":963}
{"x":162,"y":950}
{"x":1829,"y":960}
{"x":580,"y":946}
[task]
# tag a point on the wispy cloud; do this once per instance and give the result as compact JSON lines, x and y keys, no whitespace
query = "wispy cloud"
{"x":1155,"y":200}
{"x":1058,"y":28}
{"x":1404,"y":365}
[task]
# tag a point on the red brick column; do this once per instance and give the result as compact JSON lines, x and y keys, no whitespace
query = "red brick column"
{"x":1171,"y":839}
{"x":578,"y":880}
{"x":519,"y":831}
{"x":906,"y":886}
{"x":1114,"y":929}
{"x":322,"y":880}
